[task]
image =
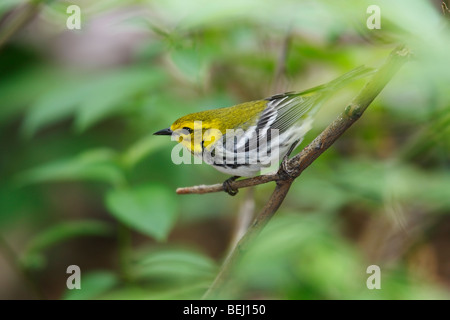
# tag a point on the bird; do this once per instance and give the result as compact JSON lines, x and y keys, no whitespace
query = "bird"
{"x":246,"y":138}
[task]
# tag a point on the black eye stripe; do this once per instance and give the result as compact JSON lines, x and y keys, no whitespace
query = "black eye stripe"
{"x":188,"y":129}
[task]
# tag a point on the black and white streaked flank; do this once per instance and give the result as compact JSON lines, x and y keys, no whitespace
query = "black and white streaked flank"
{"x":284,"y":122}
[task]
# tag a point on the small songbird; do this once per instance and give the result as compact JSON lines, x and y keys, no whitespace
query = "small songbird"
{"x":244,"y":139}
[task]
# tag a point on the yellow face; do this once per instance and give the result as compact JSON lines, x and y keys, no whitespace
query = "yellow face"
{"x":199,"y":131}
{"x":195,"y":135}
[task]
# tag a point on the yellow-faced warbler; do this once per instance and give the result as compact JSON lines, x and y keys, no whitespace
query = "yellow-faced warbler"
{"x":245,"y":138}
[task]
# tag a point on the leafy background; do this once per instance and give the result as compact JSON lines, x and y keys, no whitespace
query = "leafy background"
{"x":83,"y":181}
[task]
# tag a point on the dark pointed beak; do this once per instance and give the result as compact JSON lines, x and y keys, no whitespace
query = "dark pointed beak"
{"x":164,"y":132}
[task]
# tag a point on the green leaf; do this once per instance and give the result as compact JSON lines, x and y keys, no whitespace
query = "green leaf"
{"x":54,"y":105}
{"x":90,"y":99}
{"x":174,"y":265}
{"x":149,"y":209}
{"x":97,"y":165}
{"x":33,"y":257}
{"x":68,"y":230}
{"x":141,"y":149}
{"x":188,"y":292}
{"x":13,"y":204}
{"x":114,"y":93}
{"x":305,"y":246}
{"x":93,"y":285}
{"x":191,"y":62}
{"x":22,"y":88}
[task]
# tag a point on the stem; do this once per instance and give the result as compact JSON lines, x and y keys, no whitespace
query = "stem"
{"x":124,"y":242}
{"x":14,"y":261}
{"x":280,"y":71}
{"x":238,"y":184}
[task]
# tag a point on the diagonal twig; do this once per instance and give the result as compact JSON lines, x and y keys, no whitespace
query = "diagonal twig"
{"x":18,"y":18}
{"x":280,"y":71}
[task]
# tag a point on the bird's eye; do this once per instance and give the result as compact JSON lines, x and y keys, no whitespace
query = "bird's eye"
{"x":188,"y":129}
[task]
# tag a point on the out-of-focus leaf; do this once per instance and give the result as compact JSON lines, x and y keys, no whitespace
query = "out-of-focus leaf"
{"x":296,"y":256}
{"x":397,"y":285}
{"x":187,"y":292}
{"x":435,"y":137}
{"x":189,"y":63}
{"x":141,"y":149}
{"x":67,"y":230}
{"x":174,"y":265}
{"x":378,"y":182}
{"x":13,"y":204}
{"x":150,"y":209}
{"x":22,"y":88}
{"x":97,"y":165}
{"x":318,"y":191}
{"x":93,"y":285}
{"x":281,"y":243}
{"x":91,"y":99}
{"x":33,"y":257}
{"x":53,"y":106}
{"x":115,"y":92}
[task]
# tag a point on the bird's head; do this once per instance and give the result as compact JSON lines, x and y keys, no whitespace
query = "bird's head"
{"x":196,"y":131}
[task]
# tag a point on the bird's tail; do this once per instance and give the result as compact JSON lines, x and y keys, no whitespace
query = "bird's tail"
{"x":342,"y":81}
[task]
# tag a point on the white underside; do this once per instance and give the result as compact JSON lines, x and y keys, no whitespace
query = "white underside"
{"x":247,"y":164}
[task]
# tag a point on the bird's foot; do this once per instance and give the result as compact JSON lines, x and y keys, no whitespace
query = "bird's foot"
{"x":228,"y":188}
{"x":284,"y":172}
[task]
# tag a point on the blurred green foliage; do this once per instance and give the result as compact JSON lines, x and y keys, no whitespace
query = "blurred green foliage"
{"x":81,"y":173}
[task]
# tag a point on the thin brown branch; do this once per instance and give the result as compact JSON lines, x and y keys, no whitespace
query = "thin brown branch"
{"x":17,"y":19}
{"x":14,"y":261}
{"x":445,"y":9}
{"x":301,"y":161}
{"x":236,"y":185}
{"x":279,"y":81}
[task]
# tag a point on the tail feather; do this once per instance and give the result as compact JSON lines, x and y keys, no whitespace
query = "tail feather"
{"x":341,"y":81}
